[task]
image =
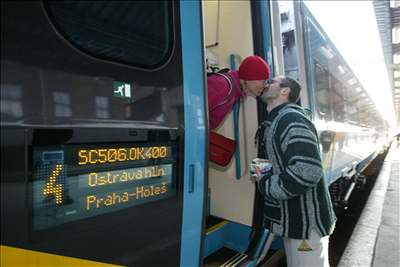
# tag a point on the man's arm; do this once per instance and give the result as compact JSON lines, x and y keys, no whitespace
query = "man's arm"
{"x":301,"y":162}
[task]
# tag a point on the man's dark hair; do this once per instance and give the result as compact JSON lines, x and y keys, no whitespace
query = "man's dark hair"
{"x":294,"y":86}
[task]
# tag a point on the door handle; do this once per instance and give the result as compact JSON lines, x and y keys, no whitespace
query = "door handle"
{"x":191,"y":178}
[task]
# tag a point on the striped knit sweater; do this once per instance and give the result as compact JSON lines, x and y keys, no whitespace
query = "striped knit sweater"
{"x":296,"y":196}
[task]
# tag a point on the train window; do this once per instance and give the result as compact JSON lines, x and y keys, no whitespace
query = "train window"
{"x":336,"y":87}
{"x":323,"y":91}
{"x":331,"y":92}
{"x":338,"y":100}
{"x":290,"y":54}
{"x":136,"y":33}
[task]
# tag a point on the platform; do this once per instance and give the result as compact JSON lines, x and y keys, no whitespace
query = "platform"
{"x":375,"y":239}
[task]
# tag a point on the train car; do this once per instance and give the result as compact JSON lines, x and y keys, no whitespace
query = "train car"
{"x":104,"y":128}
{"x":101,"y":102}
{"x":338,"y":101}
{"x":351,"y":129}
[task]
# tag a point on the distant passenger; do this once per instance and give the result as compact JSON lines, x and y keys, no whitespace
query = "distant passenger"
{"x":225,"y":89}
{"x":297,"y":204}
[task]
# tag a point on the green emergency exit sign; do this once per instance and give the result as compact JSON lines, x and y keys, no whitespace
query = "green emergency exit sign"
{"x":122,"y":89}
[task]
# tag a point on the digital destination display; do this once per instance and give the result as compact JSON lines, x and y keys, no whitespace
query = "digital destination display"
{"x":73,"y":182}
{"x":108,"y":155}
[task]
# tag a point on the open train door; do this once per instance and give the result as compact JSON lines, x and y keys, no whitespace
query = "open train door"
{"x":233,"y":31}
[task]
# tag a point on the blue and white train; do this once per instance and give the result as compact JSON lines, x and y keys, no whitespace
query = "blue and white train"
{"x":104,"y":132}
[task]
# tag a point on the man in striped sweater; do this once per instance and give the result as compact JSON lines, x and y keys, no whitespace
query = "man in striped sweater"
{"x":297,"y":204}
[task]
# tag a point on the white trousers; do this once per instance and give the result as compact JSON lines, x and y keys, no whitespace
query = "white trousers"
{"x":316,"y":257}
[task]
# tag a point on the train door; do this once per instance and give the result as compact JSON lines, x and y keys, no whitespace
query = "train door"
{"x":99,"y":100}
{"x":231,"y":193}
{"x":233,"y":31}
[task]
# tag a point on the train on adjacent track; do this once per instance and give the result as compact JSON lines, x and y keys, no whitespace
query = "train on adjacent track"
{"x":104,"y":127}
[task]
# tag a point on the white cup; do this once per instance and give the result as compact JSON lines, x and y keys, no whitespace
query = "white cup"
{"x":259,"y":165}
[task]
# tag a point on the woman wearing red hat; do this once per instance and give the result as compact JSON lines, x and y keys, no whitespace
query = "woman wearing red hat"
{"x":224,"y":90}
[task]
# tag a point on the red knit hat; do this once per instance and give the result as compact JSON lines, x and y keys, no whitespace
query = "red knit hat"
{"x":253,"y":68}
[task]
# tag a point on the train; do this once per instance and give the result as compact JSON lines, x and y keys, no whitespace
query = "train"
{"x":104,"y":128}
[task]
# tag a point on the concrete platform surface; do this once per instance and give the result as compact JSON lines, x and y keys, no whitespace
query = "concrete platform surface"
{"x":387,"y":247}
{"x":375,"y":239}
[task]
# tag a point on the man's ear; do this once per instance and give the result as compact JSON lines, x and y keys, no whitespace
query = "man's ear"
{"x":285,"y":91}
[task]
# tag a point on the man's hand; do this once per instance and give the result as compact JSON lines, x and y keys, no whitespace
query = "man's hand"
{"x":259,"y":174}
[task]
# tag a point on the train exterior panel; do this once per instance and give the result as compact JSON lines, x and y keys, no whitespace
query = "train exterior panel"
{"x":93,"y":119}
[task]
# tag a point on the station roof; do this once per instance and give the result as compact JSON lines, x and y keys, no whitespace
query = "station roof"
{"x":388,"y":19}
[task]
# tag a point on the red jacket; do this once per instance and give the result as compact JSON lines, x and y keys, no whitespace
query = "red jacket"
{"x":218,"y":90}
